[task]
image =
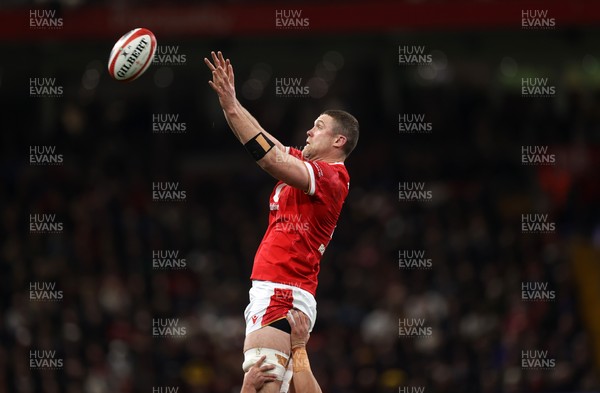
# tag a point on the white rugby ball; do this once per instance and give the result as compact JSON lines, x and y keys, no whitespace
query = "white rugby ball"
{"x":132,"y":55}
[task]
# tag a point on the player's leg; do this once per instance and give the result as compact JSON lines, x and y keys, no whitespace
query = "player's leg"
{"x":268,"y":337}
{"x":276,"y":344}
{"x":267,"y":330}
{"x":265,"y":335}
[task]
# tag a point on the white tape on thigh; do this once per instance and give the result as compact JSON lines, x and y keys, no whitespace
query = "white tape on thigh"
{"x":287,"y":378}
{"x":278,"y":359}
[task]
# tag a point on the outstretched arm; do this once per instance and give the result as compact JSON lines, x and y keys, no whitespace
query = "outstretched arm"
{"x":276,"y":162}
{"x":303,"y":379}
{"x":225,"y":64}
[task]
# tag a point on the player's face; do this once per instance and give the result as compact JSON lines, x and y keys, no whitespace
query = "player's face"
{"x":320,"y":138}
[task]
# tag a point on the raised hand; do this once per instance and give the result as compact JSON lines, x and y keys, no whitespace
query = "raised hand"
{"x":223,"y":79}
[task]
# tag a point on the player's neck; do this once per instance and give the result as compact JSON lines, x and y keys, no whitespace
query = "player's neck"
{"x":328,"y":159}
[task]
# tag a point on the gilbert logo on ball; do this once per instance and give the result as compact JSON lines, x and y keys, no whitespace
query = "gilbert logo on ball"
{"x":132,"y":55}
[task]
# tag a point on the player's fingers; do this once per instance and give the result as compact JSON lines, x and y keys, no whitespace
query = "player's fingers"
{"x":218,"y":81}
{"x":302,"y":317}
{"x":260,"y":361}
{"x":209,"y":64}
{"x":221,"y":72}
{"x":214,"y":87}
{"x":302,"y":324}
{"x":221,"y":58}
{"x":267,"y":367}
{"x":230,"y":72}
{"x":215,"y":58}
{"x":290,"y":318}
{"x":216,"y":78}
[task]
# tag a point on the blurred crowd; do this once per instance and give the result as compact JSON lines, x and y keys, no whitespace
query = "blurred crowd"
{"x":470,"y":297}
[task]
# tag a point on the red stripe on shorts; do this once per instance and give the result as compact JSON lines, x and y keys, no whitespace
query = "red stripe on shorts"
{"x":282,"y":301}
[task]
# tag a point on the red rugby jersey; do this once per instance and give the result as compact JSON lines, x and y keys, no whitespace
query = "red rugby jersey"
{"x":301,"y":225}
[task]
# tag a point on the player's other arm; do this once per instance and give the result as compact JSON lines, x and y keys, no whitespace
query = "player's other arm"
{"x":303,"y":380}
{"x":273,"y":159}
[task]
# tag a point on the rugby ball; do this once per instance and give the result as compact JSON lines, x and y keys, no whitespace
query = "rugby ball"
{"x":132,"y":55}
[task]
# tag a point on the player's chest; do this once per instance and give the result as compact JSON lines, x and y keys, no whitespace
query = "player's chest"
{"x":281,"y":197}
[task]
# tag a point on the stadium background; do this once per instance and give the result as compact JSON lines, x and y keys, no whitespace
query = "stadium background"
{"x":349,"y":57}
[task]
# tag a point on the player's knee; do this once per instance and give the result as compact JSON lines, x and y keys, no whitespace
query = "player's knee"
{"x":273,"y":357}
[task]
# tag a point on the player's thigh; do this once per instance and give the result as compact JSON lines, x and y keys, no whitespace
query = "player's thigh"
{"x":271,"y":387}
{"x":268,"y":337}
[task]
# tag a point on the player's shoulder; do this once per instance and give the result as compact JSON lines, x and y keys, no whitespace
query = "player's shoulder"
{"x":331,"y":167}
{"x":333,"y":173}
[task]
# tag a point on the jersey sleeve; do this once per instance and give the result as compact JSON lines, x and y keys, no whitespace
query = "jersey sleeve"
{"x":298,"y":154}
{"x":325,"y":180}
{"x":294,"y":152}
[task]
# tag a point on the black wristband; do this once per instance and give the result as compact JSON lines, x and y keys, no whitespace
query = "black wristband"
{"x":259,"y":146}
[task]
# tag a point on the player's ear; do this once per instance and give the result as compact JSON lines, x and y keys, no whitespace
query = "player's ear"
{"x":340,"y":140}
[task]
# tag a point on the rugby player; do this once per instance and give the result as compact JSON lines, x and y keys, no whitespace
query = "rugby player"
{"x":304,"y":209}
